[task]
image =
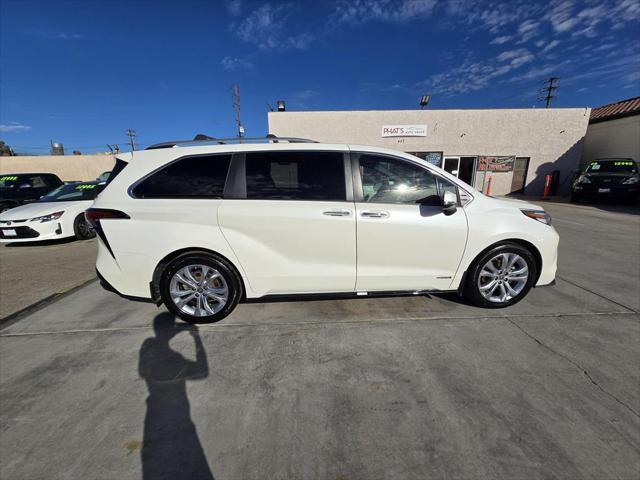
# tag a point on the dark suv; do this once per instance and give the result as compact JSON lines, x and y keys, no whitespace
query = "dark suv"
{"x":19,"y":188}
{"x":608,"y":178}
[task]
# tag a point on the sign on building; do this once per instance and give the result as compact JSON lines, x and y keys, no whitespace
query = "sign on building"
{"x":404,"y":131}
{"x":496,"y":164}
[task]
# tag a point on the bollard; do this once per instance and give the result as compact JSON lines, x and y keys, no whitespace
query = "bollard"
{"x":547,"y":187}
{"x":489,"y":186}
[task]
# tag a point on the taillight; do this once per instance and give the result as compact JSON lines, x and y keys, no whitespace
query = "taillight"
{"x":95,"y":215}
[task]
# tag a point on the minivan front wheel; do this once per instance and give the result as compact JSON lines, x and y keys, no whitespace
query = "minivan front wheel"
{"x":501,"y":277}
{"x":200,"y":288}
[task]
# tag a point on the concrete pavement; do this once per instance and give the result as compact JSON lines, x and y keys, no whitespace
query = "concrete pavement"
{"x":94,"y":386}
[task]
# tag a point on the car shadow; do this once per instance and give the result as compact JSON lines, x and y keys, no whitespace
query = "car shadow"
{"x":171,"y":448}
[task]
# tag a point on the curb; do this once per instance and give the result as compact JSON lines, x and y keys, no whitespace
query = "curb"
{"x":40,"y":304}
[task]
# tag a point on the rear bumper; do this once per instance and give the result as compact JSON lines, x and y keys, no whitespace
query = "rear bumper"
{"x":110,"y":288}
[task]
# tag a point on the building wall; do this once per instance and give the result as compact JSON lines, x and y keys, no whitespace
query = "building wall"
{"x":551,"y":138}
{"x":619,"y":138}
{"x":67,"y":167}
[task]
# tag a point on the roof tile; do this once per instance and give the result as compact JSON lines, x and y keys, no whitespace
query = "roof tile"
{"x":623,"y":108}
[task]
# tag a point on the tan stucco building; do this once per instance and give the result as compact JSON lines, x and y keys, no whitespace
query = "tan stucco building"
{"x":510,"y":149}
{"x":614,"y":131}
{"x":66,"y":167}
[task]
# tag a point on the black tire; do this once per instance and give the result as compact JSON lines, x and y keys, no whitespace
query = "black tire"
{"x":229,"y":274}
{"x":471,"y":289}
{"x":82,"y":228}
{"x":575,"y":198}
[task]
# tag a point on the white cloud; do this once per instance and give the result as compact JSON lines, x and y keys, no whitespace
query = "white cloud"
{"x":300,"y":41}
{"x":362,"y":11}
{"x":552,"y":44}
{"x":567,"y":15}
{"x":517,"y":57}
{"x":527,"y":30}
{"x":233,"y":64}
{"x":13,"y":127}
{"x":234,"y":7}
{"x":52,"y":35}
{"x":264,"y":27}
{"x":633,"y":77}
{"x":472,"y":76}
{"x":501,"y":39}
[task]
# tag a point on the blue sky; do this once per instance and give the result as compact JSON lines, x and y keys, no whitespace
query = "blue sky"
{"x":81,"y":72}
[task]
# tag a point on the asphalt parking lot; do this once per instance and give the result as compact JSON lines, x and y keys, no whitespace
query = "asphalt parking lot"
{"x":32,"y":272}
{"x":94,"y":386}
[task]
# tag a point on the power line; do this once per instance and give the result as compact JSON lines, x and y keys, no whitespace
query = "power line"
{"x":132,"y":135}
{"x":548,"y":93}
{"x":235,"y":97}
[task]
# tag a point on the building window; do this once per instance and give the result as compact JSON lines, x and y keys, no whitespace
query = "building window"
{"x":434,"y":158}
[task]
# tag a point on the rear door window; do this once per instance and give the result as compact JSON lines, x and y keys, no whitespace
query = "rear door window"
{"x":190,"y":177}
{"x":295,"y":176}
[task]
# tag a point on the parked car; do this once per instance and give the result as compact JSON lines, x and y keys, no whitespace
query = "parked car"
{"x":59,"y":214}
{"x":607,"y":178}
{"x":103,"y":176}
{"x":200,"y":228}
{"x":20,"y":188}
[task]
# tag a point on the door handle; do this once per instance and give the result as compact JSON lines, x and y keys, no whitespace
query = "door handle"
{"x":337,"y":213}
{"x":374,"y":214}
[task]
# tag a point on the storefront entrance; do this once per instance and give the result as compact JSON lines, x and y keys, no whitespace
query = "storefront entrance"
{"x":462,"y":167}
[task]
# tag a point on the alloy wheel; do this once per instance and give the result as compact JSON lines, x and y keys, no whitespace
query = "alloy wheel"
{"x":198,"y":290}
{"x":503,"y":277}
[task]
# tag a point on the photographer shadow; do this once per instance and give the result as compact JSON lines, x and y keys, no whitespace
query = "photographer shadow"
{"x":171,"y":448}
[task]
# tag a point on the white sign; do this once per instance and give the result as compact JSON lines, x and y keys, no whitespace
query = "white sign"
{"x":404,"y":131}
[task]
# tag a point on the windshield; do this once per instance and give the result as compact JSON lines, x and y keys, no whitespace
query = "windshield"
{"x":73,"y":192}
{"x":10,"y":181}
{"x":612,"y":166}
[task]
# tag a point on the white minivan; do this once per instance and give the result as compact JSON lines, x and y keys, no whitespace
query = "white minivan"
{"x":203,"y":225}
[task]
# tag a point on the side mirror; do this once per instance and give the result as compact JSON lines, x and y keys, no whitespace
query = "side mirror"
{"x":449,"y":203}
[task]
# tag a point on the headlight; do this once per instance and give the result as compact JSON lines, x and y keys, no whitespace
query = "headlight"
{"x":583,"y":179}
{"x":48,"y":218}
{"x":631,"y":181}
{"x":539,"y":215}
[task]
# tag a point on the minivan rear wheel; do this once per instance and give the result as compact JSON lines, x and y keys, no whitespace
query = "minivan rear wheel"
{"x":200,"y":288}
{"x":501,"y":277}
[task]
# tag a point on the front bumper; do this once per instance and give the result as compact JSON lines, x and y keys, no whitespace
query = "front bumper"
{"x":31,"y":231}
{"x":548,"y":248}
{"x":606,"y":190}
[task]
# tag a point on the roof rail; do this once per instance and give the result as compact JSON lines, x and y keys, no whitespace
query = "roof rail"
{"x":201,"y":139}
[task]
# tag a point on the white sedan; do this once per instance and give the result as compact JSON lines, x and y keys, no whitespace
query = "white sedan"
{"x":59,"y":214}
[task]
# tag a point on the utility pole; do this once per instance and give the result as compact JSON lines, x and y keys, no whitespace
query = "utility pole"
{"x":132,"y":135}
{"x":235,"y":97}
{"x":548,"y":93}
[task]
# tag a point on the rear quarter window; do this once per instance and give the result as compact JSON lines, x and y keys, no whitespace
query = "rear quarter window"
{"x":190,"y":177}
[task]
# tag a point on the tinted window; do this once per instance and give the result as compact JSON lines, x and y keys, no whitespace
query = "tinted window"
{"x":295,"y":175}
{"x":117,"y":168}
{"x":73,"y":192}
{"x":611,"y":166}
{"x":390,"y":180}
{"x":190,"y":177}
